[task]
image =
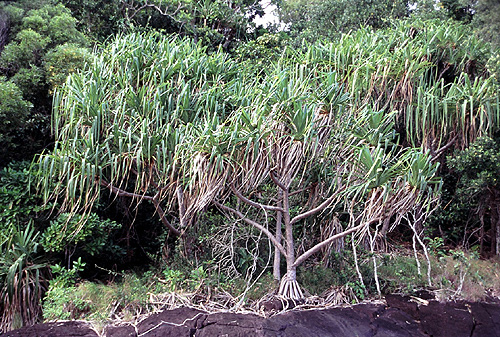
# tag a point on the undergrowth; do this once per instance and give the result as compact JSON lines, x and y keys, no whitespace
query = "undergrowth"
{"x":454,"y":275}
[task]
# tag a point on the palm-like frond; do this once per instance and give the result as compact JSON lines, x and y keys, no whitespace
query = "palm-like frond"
{"x":21,"y":279}
{"x":429,"y":72}
{"x":122,"y":124}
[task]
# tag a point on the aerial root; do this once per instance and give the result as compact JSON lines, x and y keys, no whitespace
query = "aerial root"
{"x":290,"y":289}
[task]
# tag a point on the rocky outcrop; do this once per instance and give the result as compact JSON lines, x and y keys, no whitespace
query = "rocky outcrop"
{"x":57,"y":329}
{"x":400,"y":316}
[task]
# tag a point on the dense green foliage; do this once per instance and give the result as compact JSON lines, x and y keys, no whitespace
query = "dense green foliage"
{"x":475,"y":198}
{"x":313,"y":20}
{"x":14,"y":111}
{"x":487,"y":20}
{"x":32,"y":237}
{"x":214,"y":23}
{"x":18,"y":204}
{"x":44,"y":47}
{"x":66,"y":233}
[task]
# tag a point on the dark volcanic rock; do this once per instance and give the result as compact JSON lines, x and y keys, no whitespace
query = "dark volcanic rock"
{"x":329,"y":322}
{"x":403,"y":303}
{"x":401,"y":317}
{"x":446,"y":319}
{"x":237,"y":325}
{"x":57,"y":329}
{"x":177,"y":322}
{"x":120,"y":331}
{"x":486,"y":319}
{"x":397,"y":323}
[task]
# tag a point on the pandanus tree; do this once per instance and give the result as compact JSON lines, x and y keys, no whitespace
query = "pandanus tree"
{"x":122,"y":123}
{"x":298,"y":133}
{"x":158,"y":120}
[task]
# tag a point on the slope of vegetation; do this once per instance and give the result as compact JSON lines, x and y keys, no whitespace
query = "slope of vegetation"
{"x":193,"y":166}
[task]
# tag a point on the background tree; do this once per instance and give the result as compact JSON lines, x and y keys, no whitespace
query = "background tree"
{"x":214,"y":23}
{"x":328,"y":19}
{"x":477,"y":194}
{"x":4,"y":30}
{"x":98,"y":20}
{"x":37,"y":32}
{"x":486,"y":20}
{"x":14,"y":112}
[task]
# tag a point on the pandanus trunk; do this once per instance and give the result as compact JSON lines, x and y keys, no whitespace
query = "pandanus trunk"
{"x":277,"y":254}
{"x":289,"y":287}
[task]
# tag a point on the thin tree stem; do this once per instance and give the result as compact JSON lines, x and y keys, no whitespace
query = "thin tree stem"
{"x":182,"y":209}
{"x":277,"y":255}
{"x":317,"y":247}
{"x":290,"y":250}
{"x":313,"y":211}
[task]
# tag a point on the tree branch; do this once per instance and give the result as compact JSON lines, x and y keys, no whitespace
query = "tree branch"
{"x":445,"y":147}
{"x":255,"y":224}
{"x":280,"y":185}
{"x":155,"y":7}
{"x":320,"y":245}
{"x":253,"y":203}
{"x":164,"y":220}
{"x":313,"y":211}
{"x":122,"y":193}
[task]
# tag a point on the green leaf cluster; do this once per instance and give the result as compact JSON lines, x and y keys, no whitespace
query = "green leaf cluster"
{"x":21,"y":277}
{"x":14,"y":111}
{"x":89,"y":233}
{"x":44,"y":46}
{"x":478,"y":167}
{"x":320,"y":19}
{"x":18,"y":202}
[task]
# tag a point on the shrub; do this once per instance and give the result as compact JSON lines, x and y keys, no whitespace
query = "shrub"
{"x":62,"y":61}
{"x":60,"y":301}
{"x":13,"y":114}
{"x":89,"y":233}
{"x":31,"y":81}
{"x":399,"y":273}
